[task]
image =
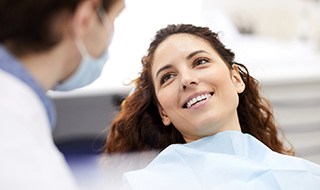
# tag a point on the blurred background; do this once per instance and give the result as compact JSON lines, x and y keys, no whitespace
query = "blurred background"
{"x":279,"y":42}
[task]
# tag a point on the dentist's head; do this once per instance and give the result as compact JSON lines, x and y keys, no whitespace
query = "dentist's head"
{"x":63,"y":43}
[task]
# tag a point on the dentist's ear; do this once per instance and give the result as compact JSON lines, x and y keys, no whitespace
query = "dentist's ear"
{"x":236,"y":79}
{"x":83,"y":15}
{"x":165,"y":119}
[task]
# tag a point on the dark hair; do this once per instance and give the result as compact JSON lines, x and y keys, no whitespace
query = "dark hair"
{"x":139,"y":126}
{"x":28,"y":24}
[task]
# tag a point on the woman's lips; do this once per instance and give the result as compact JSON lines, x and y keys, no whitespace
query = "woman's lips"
{"x":197,"y":99}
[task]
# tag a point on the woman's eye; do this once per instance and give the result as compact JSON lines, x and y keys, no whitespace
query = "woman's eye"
{"x":166,"y":77}
{"x":200,"y":61}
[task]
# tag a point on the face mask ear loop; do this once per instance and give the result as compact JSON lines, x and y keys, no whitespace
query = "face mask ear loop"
{"x":81,"y":47}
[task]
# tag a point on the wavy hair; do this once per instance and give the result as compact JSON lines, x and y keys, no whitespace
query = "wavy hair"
{"x":139,"y":127}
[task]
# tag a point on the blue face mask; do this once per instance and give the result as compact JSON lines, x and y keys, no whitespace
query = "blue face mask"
{"x":89,"y":69}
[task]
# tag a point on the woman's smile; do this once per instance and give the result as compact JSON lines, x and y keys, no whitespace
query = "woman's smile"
{"x":197,"y":100}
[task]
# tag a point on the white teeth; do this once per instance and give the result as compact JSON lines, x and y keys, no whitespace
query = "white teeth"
{"x":197,"y":99}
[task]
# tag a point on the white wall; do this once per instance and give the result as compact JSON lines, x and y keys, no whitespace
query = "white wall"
{"x":285,"y":19}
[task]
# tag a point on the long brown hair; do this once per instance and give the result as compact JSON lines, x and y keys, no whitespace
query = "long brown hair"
{"x":139,"y":127}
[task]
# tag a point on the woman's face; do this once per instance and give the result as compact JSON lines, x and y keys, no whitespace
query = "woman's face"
{"x":196,"y":91}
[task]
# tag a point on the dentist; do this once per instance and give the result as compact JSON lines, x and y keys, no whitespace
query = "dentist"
{"x":48,"y":44}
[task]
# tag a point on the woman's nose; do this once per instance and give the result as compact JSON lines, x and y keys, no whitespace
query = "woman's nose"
{"x":189,"y":80}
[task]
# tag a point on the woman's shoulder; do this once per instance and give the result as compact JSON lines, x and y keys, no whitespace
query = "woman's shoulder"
{"x":269,"y":169}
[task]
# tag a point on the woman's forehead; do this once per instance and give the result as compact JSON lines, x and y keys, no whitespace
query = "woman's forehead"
{"x":183,"y":38}
{"x":179,"y":46}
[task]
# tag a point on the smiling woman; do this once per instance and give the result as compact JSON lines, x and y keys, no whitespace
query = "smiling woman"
{"x":203,"y":92}
{"x":203,"y":110}
{"x":185,"y":62}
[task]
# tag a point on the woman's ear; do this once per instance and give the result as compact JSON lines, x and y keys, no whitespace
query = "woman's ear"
{"x":165,"y":119}
{"x":236,"y":79}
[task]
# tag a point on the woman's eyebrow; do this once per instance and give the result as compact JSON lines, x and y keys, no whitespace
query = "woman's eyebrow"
{"x":195,"y":53}
{"x":188,"y":57}
{"x":163,"y":68}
